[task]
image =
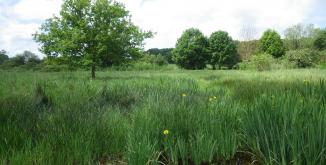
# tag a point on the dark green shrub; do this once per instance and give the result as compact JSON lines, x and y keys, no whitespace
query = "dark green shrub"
{"x":165,"y":52}
{"x":154,"y":59}
{"x":3,"y":56}
{"x":320,"y":41}
{"x":17,"y":61}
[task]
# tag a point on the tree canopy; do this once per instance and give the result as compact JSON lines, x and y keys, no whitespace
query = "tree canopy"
{"x":300,"y":36}
{"x":271,"y":43}
{"x":320,"y":41}
{"x":91,"y":32}
{"x":222,"y":49}
{"x":3,"y":56}
{"x":191,"y":50}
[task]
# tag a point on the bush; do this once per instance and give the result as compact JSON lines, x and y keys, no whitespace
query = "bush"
{"x":57,"y":68}
{"x":322,"y":57}
{"x":165,"y":52}
{"x":154,"y":59}
{"x":260,"y":62}
{"x":284,"y":63}
{"x":302,"y":58}
{"x":322,"y":60}
{"x":159,"y":60}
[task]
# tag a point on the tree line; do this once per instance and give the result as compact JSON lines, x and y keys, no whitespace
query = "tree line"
{"x":100,"y":33}
{"x":194,"y":51}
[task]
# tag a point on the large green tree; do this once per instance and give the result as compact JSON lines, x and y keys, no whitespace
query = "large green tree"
{"x":271,"y":43}
{"x":191,"y":50}
{"x":222,"y":49}
{"x":98,"y":32}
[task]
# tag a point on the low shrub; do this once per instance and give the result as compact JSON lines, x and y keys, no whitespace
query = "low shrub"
{"x":154,"y":59}
{"x":260,"y":62}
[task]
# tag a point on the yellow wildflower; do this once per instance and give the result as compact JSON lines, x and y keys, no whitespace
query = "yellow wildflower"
{"x":184,"y":95}
{"x":210,"y":99}
{"x":165,"y":132}
{"x":215,"y":97}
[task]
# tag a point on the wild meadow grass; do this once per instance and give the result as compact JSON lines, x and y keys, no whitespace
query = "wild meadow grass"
{"x":163,"y":117}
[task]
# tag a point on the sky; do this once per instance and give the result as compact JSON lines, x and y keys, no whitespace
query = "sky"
{"x":19,"y":19}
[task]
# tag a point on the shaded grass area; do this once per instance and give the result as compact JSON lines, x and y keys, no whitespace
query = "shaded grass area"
{"x":222,"y":117}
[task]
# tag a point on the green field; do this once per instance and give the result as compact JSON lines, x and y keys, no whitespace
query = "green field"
{"x":163,"y":117}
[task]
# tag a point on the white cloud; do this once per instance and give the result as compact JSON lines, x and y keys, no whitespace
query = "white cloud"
{"x":169,"y":18}
{"x":36,"y":9}
{"x":16,"y":37}
{"x":18,"y":21}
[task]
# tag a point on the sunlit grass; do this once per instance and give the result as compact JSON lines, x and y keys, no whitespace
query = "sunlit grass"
{"x":169,"y":117}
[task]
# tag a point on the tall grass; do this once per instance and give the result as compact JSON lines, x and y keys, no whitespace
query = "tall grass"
{"x":223,"y":117}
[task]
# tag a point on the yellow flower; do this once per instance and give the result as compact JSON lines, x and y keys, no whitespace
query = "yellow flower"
{"x":165,"y":132}
{"x":184,"y":95}
{"x":212,"y":98}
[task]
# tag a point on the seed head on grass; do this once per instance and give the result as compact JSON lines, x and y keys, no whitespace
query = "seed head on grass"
{"x":210,"y":99}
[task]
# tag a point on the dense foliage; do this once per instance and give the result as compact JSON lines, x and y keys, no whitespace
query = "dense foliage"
{"x":92,"y":33}
{"x":271,"y":43}
{"x":223,"y":51}
{"x":3,"y":56}
{"x":191,"y":50}
{"x":165,"y":52}
{"x":303,"y":58}
{"x":118,"y":46}
{"x":260,"y":62}
{"x":26,"y":60}
{"x":320,"y":41}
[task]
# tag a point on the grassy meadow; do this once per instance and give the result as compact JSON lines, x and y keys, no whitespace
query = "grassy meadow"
{"x":163,"y":117}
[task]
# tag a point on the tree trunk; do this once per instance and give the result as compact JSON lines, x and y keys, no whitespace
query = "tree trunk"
{"x":93,"y":70}
{"x":214,"y":67}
